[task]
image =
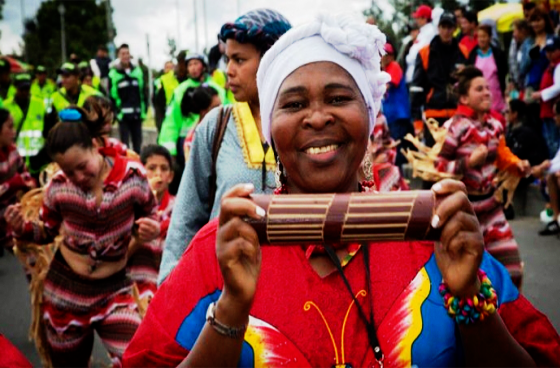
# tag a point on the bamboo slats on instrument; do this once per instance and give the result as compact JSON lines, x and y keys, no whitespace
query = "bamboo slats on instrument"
{"x":345,"y":218}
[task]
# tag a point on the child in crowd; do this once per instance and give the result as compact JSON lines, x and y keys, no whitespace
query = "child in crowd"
{"x":143,"y":267}
{"x":14,"y":178}
{"x":199,"y":101}
{"x":158,"y":163}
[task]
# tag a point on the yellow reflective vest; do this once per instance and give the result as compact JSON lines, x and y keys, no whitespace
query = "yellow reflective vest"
{"x":45,"y":92}
{"x":30,"y":139}
{"x":169,"y":82}
{"x":59,"y":100}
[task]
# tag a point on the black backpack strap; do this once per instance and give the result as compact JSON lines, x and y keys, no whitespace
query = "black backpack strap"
{"x":221,"y":125}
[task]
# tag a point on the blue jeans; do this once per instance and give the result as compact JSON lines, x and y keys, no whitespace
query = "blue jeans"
{"x":551,"y":135}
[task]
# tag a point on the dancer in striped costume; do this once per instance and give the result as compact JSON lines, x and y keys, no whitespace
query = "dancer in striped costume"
{"x":475,"y":149}
{"x":102,"y":204}
{"x":14,"y":177}
{"x":382,"y":150}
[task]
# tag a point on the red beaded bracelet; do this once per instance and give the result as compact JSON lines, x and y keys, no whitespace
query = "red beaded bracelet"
{"x":472,"y":309}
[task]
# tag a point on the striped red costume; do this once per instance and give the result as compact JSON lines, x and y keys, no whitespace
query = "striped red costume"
{"x":386,"y":175}
{"x":464,"y":134}
{"x":74,"y":306}
{"x":14,"y":178}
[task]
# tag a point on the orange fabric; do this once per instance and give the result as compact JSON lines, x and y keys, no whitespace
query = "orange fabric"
{"x":425,"y":55}
{"x":506,"y":160}
{"x":445,"y":113}
{"x":464,"y":49}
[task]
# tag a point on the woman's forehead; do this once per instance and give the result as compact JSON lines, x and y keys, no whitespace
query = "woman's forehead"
{"x":320,"y":74}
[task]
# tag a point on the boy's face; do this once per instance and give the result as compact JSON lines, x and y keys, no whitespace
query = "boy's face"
{"x":159,"y":173}
{"x":7,"y":132}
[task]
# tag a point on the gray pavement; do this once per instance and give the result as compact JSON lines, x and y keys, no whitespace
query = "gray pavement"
{"x":541,"y":287}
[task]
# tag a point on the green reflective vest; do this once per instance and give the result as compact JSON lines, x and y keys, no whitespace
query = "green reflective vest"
{"x":121,"y":84}
{"x":30,"y":139}
{"x":175,"y":125}
{"x":60,"y":102}
{"x":45,"y":92}
{"x":10,"y":93}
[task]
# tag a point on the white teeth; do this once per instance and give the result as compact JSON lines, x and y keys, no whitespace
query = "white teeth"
{"x":324,"y":149}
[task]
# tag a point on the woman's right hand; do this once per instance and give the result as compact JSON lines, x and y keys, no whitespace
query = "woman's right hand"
{"x":14,"y":218}
{"x":238,"y":249}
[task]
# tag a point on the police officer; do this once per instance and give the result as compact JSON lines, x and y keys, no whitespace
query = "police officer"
{"x":42,"y":87}
{"x":72,"y":92}
{"x":166,"y":86}
{"x":28,"y":113}
{"x":176,"y":126}
{"x":127,"y":91}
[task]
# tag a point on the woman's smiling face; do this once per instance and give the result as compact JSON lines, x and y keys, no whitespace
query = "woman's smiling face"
{"x":320,"y":129}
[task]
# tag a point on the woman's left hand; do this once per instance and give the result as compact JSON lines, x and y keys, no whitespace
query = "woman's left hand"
{"x":148,"y":229}
{"x":461,"y":246}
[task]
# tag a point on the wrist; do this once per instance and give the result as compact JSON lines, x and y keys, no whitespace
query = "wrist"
{"x":474,"y":307}
{"x":232,"y":312}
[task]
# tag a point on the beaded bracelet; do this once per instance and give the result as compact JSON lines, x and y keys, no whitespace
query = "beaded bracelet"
{"x":472,"y":309}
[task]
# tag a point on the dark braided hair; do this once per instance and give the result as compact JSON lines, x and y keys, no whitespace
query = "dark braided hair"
{"x":261,"y":28}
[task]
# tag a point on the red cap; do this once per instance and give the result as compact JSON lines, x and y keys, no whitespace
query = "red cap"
{"x":389,"y":48}
{"x":423,"y":11}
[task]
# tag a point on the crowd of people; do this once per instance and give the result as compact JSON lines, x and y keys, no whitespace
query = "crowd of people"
{"x":152,"y":249}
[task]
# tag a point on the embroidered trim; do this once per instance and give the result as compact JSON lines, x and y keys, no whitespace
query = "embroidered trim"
{"x":250,"y":139}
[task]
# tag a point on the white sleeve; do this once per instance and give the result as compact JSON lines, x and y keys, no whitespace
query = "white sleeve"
{"x":554,"y":90}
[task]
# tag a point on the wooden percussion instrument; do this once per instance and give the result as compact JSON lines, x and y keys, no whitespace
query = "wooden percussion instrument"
{"x":345,"y":218}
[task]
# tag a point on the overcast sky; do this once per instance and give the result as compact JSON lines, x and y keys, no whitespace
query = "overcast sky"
{"x":134,"y":19}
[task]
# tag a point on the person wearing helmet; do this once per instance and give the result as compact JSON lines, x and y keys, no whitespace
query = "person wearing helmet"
{"x":176,"y":126}
{"x":166,"y":85}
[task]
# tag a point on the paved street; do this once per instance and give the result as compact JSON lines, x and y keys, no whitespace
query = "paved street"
{"x":541,"y":286}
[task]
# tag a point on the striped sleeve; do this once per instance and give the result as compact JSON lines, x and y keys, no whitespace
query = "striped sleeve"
{"x":44,"y":230}
{"x":447,"y":160}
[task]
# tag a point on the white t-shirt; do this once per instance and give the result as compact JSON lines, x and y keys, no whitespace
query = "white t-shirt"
{"x":425,"y":36}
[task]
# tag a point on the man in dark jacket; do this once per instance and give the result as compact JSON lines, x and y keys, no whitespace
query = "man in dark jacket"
{"x":127,"y":93}
{"x":432,"y":84}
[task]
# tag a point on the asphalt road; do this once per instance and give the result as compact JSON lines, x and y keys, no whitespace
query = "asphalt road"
{"x":541,"y":287}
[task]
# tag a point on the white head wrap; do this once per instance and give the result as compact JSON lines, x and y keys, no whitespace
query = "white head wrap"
{"x":342,"y":39}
